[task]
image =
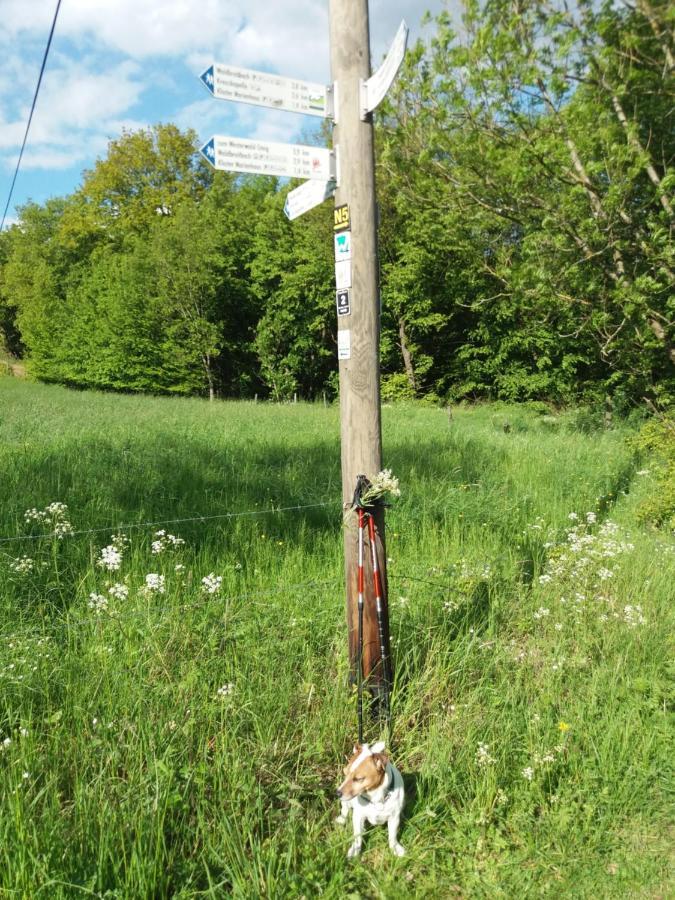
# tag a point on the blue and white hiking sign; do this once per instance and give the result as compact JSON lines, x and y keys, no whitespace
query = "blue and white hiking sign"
{"x":208,"y":78}
{"x":270,"y":158}
{"x":266,"y":89}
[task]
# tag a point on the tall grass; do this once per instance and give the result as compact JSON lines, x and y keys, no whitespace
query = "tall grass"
{"x":187,"y":744}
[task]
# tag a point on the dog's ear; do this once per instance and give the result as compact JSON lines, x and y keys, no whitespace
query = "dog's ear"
{"x":356,"y":749}
{"x":378,"y":747}
{"x":381,"y":761}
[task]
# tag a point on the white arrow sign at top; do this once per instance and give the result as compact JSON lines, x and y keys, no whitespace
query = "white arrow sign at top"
{"x":374,"y":90}
{"x":265,"y":89}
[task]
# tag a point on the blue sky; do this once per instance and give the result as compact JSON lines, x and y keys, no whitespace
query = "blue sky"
{"x":117,"y":64}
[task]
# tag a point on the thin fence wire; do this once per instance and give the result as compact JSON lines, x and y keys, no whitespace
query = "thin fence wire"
{"x":127,"y":527}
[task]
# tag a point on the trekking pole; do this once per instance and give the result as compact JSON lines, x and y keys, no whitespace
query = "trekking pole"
{"x":359,"y":674}
{"x":379,"y":607}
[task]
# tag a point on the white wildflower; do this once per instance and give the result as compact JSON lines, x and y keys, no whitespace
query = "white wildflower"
{"x":154,"y":583}
{"x":528,"y":773}
{"x":541,"y":613}
{"x":211,"y":583}
{"x":483,"y":757}
{"x":22,"y":565}
{"x":164,"y":541}
{"x":110,"y":558}
{"x":591,"y":518}
{"x":225,"y":690}
{"x":119,"y":591}
{"x":97,"y":602}
{"x":54,"y":516}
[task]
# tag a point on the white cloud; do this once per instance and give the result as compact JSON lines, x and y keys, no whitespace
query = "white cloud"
{"x":106,"y":54}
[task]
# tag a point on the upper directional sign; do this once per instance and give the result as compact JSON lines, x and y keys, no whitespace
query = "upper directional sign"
{"x":374,"y":90}
{"x":307,"y":196}
{"x":264,"y":89}
{"x":270,"y":158}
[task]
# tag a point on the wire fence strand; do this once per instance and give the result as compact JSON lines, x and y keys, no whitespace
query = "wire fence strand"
{"x":130,"y":525}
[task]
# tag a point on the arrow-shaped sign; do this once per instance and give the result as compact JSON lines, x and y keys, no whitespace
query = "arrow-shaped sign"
{"x":270,"y":158}
{"x":374,"y":90}
{"x":265,"y":89}
{"x":307,"y":196}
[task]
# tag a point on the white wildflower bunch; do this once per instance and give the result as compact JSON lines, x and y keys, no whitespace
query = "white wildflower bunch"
{"x":225,"y":690}
{"x":382,"y":486}
{"x":154,"y":583}
{"x":483,"y":757}
{"x":582,"y":558}
{"x":632,"y":615}
{"x":119,"y":591}
{"x":212,"y":583}
{"x":98,"y":603}
{"x":110,"y":557}
{"x":54,"y":516}
{"x":22,"y":565}
{"x":164,"y":541}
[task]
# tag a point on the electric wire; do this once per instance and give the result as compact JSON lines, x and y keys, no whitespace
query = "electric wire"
{"x":32,"y":110}
{"x":131,"y":525}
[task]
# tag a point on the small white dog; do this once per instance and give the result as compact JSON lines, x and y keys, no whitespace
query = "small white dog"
{"x":373,"y":790}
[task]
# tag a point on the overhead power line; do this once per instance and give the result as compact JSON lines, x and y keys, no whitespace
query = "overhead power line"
{"x":32,"y":110}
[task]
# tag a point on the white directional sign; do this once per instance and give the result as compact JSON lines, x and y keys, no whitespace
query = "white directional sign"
{"x":264,"y":89}
{"x":374,"y":90}
{"x":270,"y":158}
{"x":307,"y":196}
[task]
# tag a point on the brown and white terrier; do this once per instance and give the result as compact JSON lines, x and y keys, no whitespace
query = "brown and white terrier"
{"x":373,"y":791}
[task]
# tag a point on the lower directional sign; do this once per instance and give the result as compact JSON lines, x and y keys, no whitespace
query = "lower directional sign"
{"x":307,"y":196}
{"x":270,"y":158}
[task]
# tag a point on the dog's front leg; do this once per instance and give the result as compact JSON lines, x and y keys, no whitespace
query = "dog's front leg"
{"x":344,"y":812}
{"x":357,"y":843}
{"x":392,"y":825}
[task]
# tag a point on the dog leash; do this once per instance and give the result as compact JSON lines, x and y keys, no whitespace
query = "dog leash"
{"x":364,"y":513}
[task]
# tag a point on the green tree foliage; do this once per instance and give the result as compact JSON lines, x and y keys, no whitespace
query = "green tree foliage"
{"x":547,"y":132}
{"x":292,"y":271}
{"x":525,"y":181}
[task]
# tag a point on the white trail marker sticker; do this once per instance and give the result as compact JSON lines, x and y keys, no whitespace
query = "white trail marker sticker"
{"x":266,"y":89}
{"x":344,"y":344}
{"x":270,"y":158}
{"x":375,"y":88}
{"x":343,"y":274}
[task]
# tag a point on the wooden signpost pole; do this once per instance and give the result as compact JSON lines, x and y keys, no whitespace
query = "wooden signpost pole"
{"x":359,"y":328}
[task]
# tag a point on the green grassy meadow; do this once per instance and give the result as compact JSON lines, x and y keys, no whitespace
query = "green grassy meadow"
{"x":165,"y":741}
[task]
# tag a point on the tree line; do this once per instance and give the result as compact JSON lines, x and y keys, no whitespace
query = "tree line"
{"x":525,"y":185}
